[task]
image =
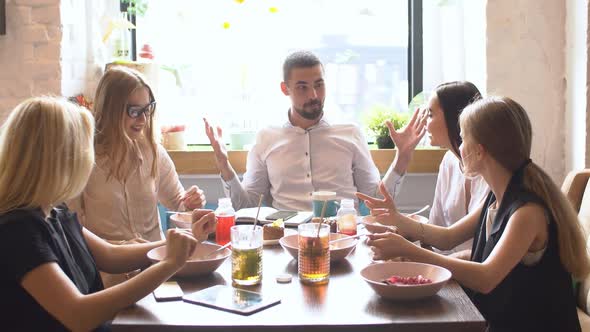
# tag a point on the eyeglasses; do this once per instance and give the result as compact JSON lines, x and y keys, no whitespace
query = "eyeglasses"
{"x":135,"y":112}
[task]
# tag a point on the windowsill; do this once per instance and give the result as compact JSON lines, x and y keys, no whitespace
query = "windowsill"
{"x":200,"y":160}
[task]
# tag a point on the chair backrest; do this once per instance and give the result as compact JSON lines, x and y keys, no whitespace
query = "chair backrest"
{"x":577,"y":189}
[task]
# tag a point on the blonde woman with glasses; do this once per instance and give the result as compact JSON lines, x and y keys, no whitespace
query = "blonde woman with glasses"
{"x":133,"y":172}
{"x":49,"y":263}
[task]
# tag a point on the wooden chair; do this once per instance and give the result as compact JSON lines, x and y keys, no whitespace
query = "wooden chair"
{"x":577,"y":189}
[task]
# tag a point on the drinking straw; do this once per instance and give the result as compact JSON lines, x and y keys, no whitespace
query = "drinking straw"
{"x":258,"y":211}
{"x":256,"y":219}
{"x":321,"y":218}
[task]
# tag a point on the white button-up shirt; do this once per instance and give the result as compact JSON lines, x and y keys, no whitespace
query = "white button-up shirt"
{"x":288,"y":163}
{"x":450,"y":197}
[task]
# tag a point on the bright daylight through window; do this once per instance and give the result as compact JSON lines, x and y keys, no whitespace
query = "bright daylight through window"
{"x":223,"y":59}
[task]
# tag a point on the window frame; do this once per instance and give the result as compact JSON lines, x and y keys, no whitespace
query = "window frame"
{"x":2,"y":17}
{"x":123,"y":8}
{"x":415,"y":48}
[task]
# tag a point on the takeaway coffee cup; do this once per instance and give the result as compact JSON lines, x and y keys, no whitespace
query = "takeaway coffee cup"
{"x":319,"y":197}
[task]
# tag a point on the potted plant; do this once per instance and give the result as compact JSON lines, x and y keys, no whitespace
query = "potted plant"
{"x":134,"y":7}
{"x":173,"y":137}
{"x":374,"y":121}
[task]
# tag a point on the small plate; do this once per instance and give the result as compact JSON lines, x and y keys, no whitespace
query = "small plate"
{"x":288,"y":231}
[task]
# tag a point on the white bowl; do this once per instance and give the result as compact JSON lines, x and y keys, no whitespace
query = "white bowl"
{"x":181,"y":220}
{"x":375,"y":227}
{"x":199,"y":263}
{"x":374,"y":275}
{"x":338,"y":250}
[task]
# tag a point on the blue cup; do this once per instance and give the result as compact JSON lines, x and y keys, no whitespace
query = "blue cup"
{"x":319,"y":197}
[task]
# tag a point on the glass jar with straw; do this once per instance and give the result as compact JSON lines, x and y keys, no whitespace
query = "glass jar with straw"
{"x":314,"y":252}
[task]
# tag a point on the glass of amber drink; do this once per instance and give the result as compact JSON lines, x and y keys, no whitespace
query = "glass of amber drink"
{"x":314,"y":253}
{"x":246,"y":257}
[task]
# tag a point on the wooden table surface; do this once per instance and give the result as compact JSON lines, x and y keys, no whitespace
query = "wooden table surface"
{"x":346,"y":303}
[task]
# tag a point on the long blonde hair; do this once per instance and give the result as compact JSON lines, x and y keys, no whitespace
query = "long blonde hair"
{"x":46,"y":153}
{"x":503,"y":128}
{"x":110,"y":110}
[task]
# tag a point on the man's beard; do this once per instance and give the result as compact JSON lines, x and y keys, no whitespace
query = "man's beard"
{"x":309,"y":112}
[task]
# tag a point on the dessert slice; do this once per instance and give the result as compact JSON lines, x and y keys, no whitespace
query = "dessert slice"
{"x":330,"y":221}
{"x":273,"y":231}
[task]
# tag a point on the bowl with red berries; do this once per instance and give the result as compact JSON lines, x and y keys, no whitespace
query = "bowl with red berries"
{"x":405,"y":280}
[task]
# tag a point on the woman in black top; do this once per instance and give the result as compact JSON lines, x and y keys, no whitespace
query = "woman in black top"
{"x":527,"y":238}
{"x":49,"y":263}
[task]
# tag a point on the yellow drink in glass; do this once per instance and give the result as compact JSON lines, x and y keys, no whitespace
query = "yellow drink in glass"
{"x":246,"y":258}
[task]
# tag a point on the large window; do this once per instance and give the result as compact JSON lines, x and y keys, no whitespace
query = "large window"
{"x":222,"y":59}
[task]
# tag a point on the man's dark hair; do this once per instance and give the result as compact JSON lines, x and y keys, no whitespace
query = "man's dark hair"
{"x":299,"y":59}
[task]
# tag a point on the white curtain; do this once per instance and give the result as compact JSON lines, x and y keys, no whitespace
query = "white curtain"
{"x":454,"y":42}
{"x":84,"y":55}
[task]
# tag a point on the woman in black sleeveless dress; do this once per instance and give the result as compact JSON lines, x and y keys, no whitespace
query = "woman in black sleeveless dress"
{"x":528,"y":242}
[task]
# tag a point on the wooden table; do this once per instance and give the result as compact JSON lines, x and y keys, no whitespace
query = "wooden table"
{"x":346,"y":303}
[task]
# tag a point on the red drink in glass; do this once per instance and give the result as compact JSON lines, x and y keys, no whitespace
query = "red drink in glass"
{"x":222,"y":231}
{"x":347,"y":224}
{"x":351,"y":232}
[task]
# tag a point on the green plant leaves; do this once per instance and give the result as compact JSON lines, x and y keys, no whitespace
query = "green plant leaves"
{"x":374,"y":119}
{"x":136,"y":7}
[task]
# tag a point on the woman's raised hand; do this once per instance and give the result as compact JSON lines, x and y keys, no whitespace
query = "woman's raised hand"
{"x":410,"y":135}
{"x":203,"y":224}
{"x":406,"y":139}
{"x":179,"y":247}
{"x":384,"y":210}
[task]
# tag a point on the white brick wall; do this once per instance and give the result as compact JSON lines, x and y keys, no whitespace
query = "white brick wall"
{"x":34,"y":3}
{"x":46,"y":15}
{"x":46,"y":49}
{"x":526,"y":61}
{"x":29,"y":52}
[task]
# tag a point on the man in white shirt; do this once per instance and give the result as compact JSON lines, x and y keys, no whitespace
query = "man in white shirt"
{"x":308,"y":154}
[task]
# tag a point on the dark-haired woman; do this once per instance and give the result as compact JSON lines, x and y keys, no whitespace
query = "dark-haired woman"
{"x":455,"y":195}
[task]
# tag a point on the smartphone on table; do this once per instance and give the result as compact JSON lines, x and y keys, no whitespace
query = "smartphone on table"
{"x":282,"y":214}
{"x":168,"y":291}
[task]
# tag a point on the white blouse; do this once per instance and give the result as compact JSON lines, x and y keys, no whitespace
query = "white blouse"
{"x":450,"y":196}
{"x":120,"y":211}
